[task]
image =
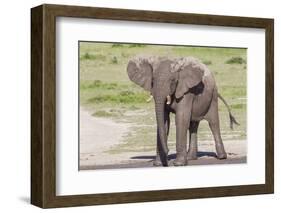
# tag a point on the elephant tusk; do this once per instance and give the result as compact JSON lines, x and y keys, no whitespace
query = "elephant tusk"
{"x":168,"y":100}
{"x":149,"y":99}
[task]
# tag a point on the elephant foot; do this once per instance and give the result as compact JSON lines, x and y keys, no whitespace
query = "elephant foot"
{"x":222,"y":156}
{"x":160,"y":160}
{"x":192,"y":156}
{"x":180,"y":161}
{"x":157,"y":163}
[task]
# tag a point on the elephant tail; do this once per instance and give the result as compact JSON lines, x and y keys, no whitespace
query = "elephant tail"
{"x":231,"y":117}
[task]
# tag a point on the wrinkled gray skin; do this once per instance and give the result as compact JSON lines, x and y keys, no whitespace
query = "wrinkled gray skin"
{"x":192,"y":95}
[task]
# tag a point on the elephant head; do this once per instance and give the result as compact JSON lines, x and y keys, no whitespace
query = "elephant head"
{"x":165,"y":78}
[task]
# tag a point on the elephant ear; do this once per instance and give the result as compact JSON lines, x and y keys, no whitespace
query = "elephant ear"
{"x":190,"y":73}
{"x":140,"y":72}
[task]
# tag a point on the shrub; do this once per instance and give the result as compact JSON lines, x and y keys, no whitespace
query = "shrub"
{"x":86,"y":56}
{"x":207,"y":62}
{"x":114,"y":60}
{"x":236,"y":60}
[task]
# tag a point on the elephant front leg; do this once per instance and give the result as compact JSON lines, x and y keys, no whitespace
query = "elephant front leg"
{"x":182,"y":125}
{"x":183,"y":117}
{"x":193,"y":145}
{"x":159,"y":153}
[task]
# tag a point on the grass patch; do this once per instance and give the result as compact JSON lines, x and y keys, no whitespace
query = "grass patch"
{"x":232,"y":91}
{"x":136,"y":45}
{"x":237,"y":106}
{"x":117,"y":45}
{"x":236,"y":60}
{"x":88,"y":56}
{"x":102,"y":113}
{"x":124,"y":97}
{"x":97,"y":84}
{"x":207,"y":62}
{"x":110,"y":113}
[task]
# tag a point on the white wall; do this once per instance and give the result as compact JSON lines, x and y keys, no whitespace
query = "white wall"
{"x":15,"y":103}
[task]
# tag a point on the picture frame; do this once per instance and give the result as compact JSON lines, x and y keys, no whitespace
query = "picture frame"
{"x":43,"y":105}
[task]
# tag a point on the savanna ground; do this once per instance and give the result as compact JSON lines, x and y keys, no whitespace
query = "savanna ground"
{"x":117,"y":125}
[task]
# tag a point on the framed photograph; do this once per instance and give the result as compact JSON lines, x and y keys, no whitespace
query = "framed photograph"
{"x":136,"y":106}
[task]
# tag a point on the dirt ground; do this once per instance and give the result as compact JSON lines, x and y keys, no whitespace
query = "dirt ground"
{"x":98,"y":135}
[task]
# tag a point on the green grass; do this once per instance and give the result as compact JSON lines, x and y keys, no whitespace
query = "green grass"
{"x":106,"y":91}
{"x":207,"y":62}
{"x":110,"y":113}
{"x":238,"y":106}
{"x":98,"y":84}
{"x":236,"y":60}
{"x":102,"y":113}
{"x":88,"y":56}
{"x":123,"y":97}
{"x":137,"y":45}
{"x":117,"y":45}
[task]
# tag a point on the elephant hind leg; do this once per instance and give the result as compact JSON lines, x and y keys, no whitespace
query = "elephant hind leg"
{"x":214,"y":123}
{"x":221,"y":154}
{"x":193,"y":145}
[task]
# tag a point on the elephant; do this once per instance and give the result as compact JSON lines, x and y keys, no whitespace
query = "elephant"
{"x":186,"y":87}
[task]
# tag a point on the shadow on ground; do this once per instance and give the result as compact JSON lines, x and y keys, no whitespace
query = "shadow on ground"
{"x":173,"y":156}
{"x":144,"y":161}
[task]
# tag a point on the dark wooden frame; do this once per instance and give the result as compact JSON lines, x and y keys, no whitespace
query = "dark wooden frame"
{"x":43,"y":105}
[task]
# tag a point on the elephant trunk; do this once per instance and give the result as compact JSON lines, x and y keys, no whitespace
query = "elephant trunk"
{"x":160,"y":118}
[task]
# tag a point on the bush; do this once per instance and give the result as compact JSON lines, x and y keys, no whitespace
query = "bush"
{"x":207,"y":62}
{"x":236,"y":60}
{"x":114,"y":60}
{"x":86,"y":56}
